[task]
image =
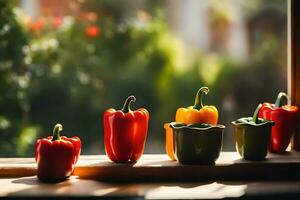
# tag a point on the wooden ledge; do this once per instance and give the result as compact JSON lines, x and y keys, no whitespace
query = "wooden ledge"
{"x":158,"y":167}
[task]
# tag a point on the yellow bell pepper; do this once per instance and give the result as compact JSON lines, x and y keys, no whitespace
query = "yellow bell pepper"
{"x":198,"y":113}
{"x":193,"y":114}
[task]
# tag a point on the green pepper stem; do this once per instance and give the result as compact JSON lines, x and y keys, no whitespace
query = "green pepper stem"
{"x":278,"y":102}
{"x":126,"y":106}
{"x":56,"y":132}
{"x":255,"y":114}
{"x":198,"y":99}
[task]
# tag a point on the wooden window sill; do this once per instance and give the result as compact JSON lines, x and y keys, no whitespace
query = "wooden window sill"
{"x":31,"y":188}
{"x":158,"y":167}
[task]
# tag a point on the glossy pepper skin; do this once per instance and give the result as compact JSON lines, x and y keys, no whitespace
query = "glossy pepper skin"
{"x":125,"y":132}
{"x":191,"y":115}
{"x":198,"y":113}
{"x":197,"y":143}
{"x":285,"y":117}
{"x":169,"y":141}
{"x":252,"y":136}
{"x":56,"y":156}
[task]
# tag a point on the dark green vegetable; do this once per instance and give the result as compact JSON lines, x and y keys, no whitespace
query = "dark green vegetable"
{"x":197,"y":143}
{"x":252,"y":136}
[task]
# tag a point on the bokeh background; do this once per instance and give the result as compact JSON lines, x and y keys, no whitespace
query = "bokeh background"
{"x":68,"y":61}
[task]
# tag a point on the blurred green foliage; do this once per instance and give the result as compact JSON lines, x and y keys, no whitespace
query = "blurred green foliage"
{"x":63,"y":74}
{"x":13,"y":81}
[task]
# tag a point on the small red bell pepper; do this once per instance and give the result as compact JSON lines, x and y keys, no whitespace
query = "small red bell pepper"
{"x":285,"y":117}
{"x":125,"y":132}
{"x":56,"y":156}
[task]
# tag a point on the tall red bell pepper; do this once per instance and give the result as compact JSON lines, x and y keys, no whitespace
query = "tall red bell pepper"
{"x":285,"y":117}
{"x":125,"y":132}
{"x":56,"y":156}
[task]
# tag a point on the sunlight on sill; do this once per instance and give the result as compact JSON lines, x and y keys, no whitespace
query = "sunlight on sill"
{"x":210,"y":191}
{"x":102,"y":192}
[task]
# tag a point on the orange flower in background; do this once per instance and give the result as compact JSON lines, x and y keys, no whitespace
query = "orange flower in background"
{"x":57,"y":21}
{"x":92,"y":31}
{"x":37,"y":25}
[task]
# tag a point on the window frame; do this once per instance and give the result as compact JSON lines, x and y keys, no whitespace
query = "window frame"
{"x":294,"y":61}
{"x":293,"y":64}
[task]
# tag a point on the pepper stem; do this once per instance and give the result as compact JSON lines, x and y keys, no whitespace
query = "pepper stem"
{"x":56,"y":132}
{"x":278,"y":102}
{"x":126,"y":106}
{"x":198,"y":99}
{"x":255,"y":114}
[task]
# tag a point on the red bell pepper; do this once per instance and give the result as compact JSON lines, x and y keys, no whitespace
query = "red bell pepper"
{"x":125,"y":132}
{"x":56,"y":156}
{"x":285,"y":117}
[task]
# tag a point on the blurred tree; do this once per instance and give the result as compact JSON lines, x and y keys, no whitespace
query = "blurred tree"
{"x":14,"y":80}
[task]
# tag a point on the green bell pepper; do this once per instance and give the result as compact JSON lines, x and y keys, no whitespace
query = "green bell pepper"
{"x":252,"y":136}
{"x":197,"y":143}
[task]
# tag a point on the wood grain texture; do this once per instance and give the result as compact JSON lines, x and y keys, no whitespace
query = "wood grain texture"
{"x":153,"y":168}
